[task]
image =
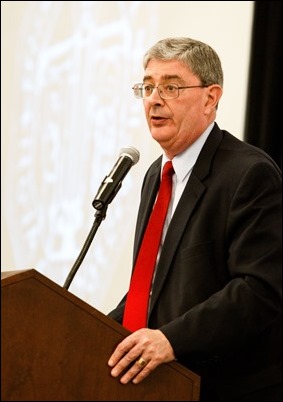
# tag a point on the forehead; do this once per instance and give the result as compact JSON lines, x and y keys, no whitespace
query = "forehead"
{"x":160,"y":69}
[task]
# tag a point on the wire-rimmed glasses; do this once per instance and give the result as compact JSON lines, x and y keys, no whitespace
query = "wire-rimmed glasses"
{"x":166,"y":91}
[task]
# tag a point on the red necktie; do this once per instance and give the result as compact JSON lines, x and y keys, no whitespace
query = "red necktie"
{"x":136,"y":308}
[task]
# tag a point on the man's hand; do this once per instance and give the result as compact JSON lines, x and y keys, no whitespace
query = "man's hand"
{"x":141,"y":352}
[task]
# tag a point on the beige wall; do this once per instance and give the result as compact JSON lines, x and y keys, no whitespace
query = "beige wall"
{"x":67,"y":109}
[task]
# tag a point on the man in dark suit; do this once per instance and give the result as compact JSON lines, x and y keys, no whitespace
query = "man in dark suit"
{"x":215,"y":300}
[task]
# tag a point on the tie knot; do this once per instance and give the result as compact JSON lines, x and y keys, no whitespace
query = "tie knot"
{"x":168,"y":169}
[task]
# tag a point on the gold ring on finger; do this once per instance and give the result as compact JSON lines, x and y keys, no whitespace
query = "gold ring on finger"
{"x":141,"y":362}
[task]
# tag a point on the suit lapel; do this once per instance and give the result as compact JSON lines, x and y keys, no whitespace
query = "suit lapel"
{"x":193,"y":192}
{"x":190,"y":197}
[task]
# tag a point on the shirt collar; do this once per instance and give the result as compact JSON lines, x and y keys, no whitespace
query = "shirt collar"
{"x":184,"y":162}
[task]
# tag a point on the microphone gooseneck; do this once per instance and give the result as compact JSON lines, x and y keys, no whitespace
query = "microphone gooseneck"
{"x":108,"y":189}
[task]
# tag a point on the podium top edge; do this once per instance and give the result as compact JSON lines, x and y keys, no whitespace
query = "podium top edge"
{"x":7,"y":274}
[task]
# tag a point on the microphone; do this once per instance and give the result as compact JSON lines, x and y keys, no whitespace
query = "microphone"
{"x":109,"y":187}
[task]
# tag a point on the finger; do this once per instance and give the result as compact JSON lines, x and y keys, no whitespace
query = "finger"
{"x":128,"y":359}
{"x":120,"y":352}
{"x":141,"y":362}
{"x":124,"y":347}
{"x":144,"y":372}
{"x":138,"y":367}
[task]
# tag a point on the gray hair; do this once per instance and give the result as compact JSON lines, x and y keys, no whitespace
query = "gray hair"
{"x":200,"y":58}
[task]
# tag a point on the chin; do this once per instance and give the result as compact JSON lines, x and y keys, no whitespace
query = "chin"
{"x":160,"y":134}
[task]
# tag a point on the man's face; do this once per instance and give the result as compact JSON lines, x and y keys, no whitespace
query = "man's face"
{"x":176,"y":123}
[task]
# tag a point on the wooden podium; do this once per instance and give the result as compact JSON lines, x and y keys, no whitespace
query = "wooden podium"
{"x":55,"y":347}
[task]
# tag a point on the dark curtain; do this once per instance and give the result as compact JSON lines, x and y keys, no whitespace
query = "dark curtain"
{"x":263,"y":112}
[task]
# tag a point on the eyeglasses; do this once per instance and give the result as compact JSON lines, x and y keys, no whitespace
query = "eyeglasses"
{"x":166,"y":91}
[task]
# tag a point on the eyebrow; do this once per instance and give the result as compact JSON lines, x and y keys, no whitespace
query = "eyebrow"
{"x":164,"y":77}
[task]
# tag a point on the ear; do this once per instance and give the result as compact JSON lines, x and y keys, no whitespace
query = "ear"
{"x":214,"y":93}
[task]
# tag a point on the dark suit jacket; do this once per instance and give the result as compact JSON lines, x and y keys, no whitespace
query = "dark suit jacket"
{"x":217,"y":290}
